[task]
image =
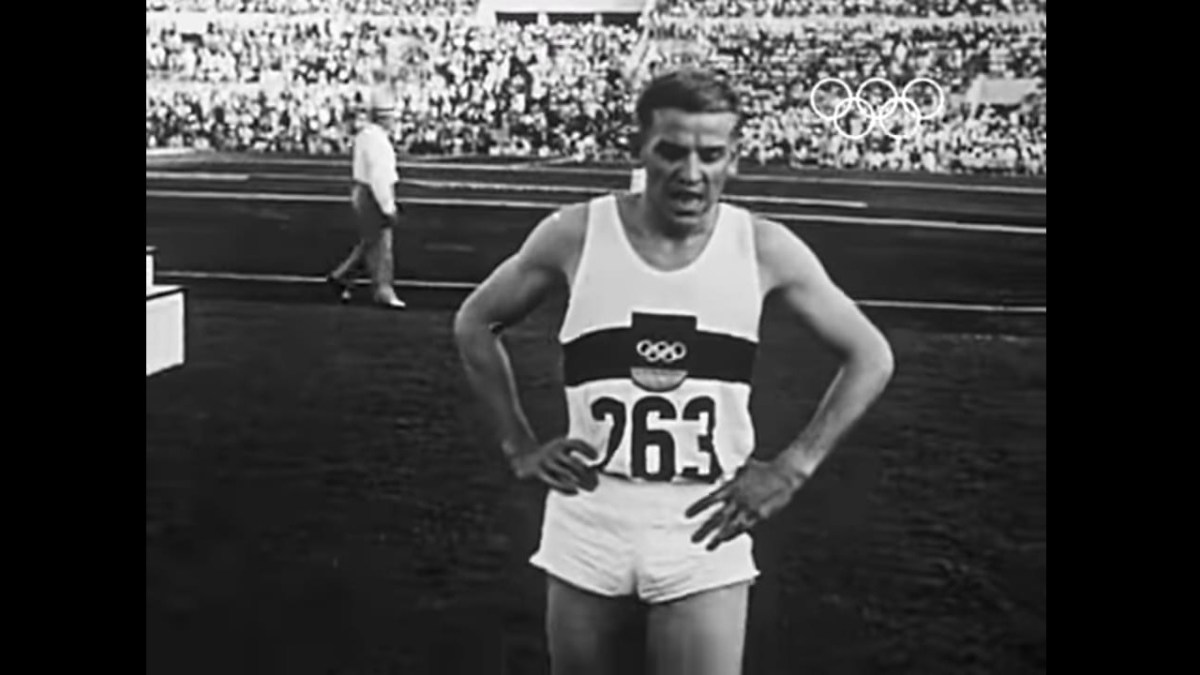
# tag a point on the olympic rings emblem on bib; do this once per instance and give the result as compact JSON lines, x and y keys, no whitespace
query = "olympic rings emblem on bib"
{"x":876,"y":116}
{"x":661,"y":351}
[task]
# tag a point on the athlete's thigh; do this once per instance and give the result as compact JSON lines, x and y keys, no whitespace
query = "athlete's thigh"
{"x":584,"y":629}
{"x":701,"y":634}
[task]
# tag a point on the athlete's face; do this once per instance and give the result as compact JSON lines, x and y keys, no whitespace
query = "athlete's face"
{"x":688,"y":158}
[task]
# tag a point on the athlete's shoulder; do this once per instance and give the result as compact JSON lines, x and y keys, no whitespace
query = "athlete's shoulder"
{"x":565,"y":224}
{"x":558,"y":237}
{"x":748,"y":219}
{"x":771,"y":234}
{"x":781,"y":252}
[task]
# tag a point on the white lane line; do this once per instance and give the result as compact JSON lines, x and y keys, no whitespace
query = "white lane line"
{"x":295,"y":279}
{"x":605,"y":171}
{"x":519,"y":204}
{"x":197,"y":175}
{"x":583,"y":189}
{"x":245,"y":196}
{"x":909,"y":222}
{"x":466,"y":286}
{"x":500,"y":187}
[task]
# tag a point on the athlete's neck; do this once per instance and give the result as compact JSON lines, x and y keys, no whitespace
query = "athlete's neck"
{"x":652,"y":221}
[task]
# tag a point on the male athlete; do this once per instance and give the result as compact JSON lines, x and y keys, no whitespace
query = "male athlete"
{"x":653,"y":487}
{"x":373,"y":198}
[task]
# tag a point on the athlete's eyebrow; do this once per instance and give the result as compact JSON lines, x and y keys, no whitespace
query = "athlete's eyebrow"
{"x":674,"y":151}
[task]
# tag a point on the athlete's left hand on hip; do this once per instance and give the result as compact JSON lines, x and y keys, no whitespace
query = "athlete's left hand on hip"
{"x":758,"y":491}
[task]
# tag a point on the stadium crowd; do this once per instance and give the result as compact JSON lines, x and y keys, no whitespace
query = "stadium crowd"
{"x":292,"y":83}
{"x":846,"y":8}
{"x":308,"y":7}
{"x":690,"y":8}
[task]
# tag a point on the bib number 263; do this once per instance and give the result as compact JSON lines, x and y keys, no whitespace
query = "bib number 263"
{"x":644,"y":440}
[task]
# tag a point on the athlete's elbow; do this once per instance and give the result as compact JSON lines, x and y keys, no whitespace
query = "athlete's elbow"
{"x":870,"y":358}
{"x":878,"y":359}
{"x":466,"y":324}
{"x":470,"y":325}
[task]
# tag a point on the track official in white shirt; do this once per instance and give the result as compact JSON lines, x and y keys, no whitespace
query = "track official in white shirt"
{"x":373,"y":198}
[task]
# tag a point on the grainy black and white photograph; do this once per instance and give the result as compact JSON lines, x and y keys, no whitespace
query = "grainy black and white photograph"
{"x":595,"y":337}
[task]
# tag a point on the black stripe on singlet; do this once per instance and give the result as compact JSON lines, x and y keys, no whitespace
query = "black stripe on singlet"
{"x":610,"y":354}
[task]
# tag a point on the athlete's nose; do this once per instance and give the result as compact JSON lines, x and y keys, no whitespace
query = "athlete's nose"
{"x":690,"y":171}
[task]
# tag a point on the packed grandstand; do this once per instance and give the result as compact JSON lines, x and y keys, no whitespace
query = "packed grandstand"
{"x":513,"y":77}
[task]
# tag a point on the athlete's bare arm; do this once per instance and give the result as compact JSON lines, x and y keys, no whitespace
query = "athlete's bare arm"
{"x":795,"y":273}
{"x":544,"y":263}
{"x":790,"y":270}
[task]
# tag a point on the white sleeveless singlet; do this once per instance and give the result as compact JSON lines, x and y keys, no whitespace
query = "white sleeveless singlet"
{"x":657,"y":365}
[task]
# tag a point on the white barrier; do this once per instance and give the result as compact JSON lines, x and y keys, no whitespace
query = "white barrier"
{"x":164,"y":322}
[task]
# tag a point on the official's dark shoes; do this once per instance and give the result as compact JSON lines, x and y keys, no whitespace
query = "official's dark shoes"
{"x":340,"y":287}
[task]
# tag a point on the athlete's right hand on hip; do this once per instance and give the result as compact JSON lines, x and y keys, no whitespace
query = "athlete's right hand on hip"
{"x":555,"y":465}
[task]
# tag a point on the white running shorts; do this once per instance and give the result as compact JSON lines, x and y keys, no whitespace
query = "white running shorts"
{"x":632,"y":538}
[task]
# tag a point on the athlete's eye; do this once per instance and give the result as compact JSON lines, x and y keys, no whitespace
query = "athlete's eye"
{"x":670,"y":151}
{"x":675,"y":153}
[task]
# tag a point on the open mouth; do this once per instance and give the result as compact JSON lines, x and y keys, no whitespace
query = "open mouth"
{"x":686,"y":201}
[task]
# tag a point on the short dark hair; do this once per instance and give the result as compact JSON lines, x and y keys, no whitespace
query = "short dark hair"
{"x":692,"y":90}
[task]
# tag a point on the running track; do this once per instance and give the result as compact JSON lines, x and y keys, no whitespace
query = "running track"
{"x":934,"y":249}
